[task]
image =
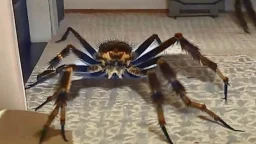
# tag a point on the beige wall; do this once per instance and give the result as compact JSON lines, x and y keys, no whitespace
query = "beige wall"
{"x":128,"y":4}
{"x":115,"y":4}
{"x":43,"y":19}
{"x":12,"y":94}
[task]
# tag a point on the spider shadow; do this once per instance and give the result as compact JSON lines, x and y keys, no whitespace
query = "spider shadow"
{"x":183,"y":64}
{"x":186,"y":66}
{"x":140,"y":86}
{"x":51,"y":133}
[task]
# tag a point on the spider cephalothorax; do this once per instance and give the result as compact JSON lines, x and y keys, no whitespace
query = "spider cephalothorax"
{"x":116,"y":59}
{"x":115,"y":51}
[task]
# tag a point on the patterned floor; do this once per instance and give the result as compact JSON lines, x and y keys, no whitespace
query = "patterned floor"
{"x":120,"y":112}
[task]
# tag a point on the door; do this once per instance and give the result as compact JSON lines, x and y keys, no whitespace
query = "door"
{"x":60,"y":9}
{"x":23,"y":34}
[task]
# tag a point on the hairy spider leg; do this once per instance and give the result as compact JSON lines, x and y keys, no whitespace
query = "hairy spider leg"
{"x":149,"y":63}
{"x":91,"y":71}
{"x":151,"y":54}
{"x":146,"y":44}
{"x":135,"y":72}
{"x":47,"y":74}
{"x":169,"y":73}
{"x":49,"y":99}
{"x":131,"y":75}
{"x":61,"y":97}
{"x":194,"y":51}
{"x":189,"y":48}
{"x":248,"y":5}
{"x":84,"y":43}
{"x":140,"y":70}
{"x":158,"y":100}
{"x":240,"y":16}
{"x":143,"y":67}
{"x":66,"y":51}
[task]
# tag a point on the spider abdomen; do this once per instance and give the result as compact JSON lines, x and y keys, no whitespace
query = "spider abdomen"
{"x":113,"y":51}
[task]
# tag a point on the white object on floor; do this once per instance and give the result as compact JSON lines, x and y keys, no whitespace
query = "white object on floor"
{"x":2,"y":112}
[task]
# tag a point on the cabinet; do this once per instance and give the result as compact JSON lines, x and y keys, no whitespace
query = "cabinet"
{"x":195,"y":7}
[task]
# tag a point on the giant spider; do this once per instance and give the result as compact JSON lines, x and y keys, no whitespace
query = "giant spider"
{"x":239,"y":14}
{"x":115,"y":59}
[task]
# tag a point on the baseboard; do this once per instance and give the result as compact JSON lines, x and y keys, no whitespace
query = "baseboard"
{"x":116,"y":10}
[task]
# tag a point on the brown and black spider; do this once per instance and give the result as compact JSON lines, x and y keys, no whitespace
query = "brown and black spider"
{"x":239,"y":14}
{"x":116,"y":59}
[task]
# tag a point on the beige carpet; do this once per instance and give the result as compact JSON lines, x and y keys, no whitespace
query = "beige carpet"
{"x":120,"y":112}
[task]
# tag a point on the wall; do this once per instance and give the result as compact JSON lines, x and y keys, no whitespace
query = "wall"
{"x":115,"y":4}
{"x":43,"y":19}
{"x":127,"y":4}
{"x":39,"y":20}
{"x":54,"y":17}
{"x":12,"y":95}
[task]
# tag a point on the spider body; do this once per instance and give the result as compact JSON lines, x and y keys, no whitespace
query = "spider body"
{"x":117,"y":59}
{"x":116,"y":48}
{"x":115,"y":51}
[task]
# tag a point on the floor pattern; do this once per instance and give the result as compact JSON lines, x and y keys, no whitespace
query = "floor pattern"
{"x":120,"y":112}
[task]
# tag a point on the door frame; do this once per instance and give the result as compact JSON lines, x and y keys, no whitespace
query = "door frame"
{"x":12,"y":92}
